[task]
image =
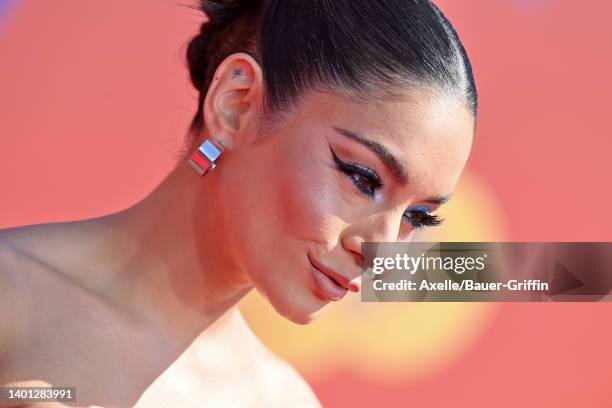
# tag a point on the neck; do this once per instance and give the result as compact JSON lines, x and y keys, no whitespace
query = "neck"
{"x":164,"y":260}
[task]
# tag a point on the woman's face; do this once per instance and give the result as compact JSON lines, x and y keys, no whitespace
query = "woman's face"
{"x":298,"y":203}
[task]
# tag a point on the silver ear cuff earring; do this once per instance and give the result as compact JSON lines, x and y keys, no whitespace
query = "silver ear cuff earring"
{"x":203,"y":159}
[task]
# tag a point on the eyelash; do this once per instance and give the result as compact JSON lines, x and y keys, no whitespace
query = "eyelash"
{"x":425,"y":219}
{"x":356,"y":171}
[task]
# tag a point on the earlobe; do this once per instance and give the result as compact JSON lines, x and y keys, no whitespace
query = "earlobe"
{"x":233,"y":99}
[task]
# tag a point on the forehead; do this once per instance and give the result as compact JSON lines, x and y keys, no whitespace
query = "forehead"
{"x":430,"y":134}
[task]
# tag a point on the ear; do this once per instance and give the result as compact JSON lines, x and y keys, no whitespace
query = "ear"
{"x":233,"y":100}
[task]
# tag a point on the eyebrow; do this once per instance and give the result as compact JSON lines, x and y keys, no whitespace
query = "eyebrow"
{"x":394,"y":166}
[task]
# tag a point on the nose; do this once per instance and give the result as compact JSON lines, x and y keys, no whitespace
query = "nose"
{"x":381,"y":227}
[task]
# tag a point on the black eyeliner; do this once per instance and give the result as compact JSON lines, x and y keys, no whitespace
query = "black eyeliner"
{"x":350,"y":168}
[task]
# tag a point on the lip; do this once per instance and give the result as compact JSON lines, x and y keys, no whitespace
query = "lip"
{"x":333,"y":284}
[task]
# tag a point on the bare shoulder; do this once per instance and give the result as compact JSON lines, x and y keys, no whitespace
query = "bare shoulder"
{"x":281,"y":384}
{"x":284,"y":386}
{"x":15,"y":304}
{"x":28,"y":289}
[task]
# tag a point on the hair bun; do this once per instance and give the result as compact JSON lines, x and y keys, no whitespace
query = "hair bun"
{"x":220,"y":14}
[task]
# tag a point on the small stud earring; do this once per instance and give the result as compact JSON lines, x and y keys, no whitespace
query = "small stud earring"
{"x":203,"y":159}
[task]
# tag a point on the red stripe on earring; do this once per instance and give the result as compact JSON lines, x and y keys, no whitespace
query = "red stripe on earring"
{"x":200,"y":161}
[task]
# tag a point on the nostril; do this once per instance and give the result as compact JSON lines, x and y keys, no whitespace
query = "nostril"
{"x":352,"y":244}
{"x":358,"y":258}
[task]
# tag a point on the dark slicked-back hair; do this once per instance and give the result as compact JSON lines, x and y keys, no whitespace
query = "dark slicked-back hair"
{"x":353,"y":47}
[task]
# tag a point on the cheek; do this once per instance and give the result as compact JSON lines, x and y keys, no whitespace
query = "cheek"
{"x":308,"y":201}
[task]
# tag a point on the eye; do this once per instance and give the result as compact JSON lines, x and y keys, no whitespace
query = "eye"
{"x":419,"y":217}
{"x":365,"y":179}
{"x":364,"y":183}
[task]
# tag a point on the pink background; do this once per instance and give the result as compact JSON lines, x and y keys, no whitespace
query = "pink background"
{"x":94,"y":100}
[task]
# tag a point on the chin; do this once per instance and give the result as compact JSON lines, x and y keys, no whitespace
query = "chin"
{"x":304,"y":319}
{"x":300,"y":310}
{"x":291,"y":295}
